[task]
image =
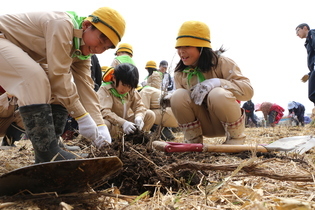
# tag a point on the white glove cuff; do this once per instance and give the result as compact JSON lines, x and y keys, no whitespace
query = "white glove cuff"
{"x":216,"y":82}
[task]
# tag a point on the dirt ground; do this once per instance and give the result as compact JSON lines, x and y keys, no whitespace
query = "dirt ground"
{"x":151,"y":179}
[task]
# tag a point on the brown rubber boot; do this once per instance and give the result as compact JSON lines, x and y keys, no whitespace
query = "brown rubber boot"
{"x":192,"y":132}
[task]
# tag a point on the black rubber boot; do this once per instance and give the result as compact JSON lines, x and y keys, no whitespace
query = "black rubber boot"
{"x":40,"y":129}
{"x":166,"y":134}
{"x":154,"y":127}
{"x":14,"y":133}
{"x":60,"y":116}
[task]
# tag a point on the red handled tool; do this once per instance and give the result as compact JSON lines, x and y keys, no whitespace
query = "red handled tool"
{"x":297,"y":144}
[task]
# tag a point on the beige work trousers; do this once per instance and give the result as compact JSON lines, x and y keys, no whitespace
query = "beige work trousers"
{"x":21,"y":76}
{"x":168,"y":119}
{"x":148,"y":120}
{"x":219,"y":106}
{"x":5,"y":122}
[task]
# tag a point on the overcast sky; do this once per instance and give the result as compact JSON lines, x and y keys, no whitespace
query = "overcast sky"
{"x":258,"y":35}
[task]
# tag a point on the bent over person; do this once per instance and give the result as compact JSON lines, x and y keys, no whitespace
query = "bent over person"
{"x":63,"y":43}
{"x":208,"y":86}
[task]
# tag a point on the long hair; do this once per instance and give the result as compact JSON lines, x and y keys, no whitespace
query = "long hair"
{"x":128,"y":74}
{"x":208,"y":59}
{"x":151,"y":70}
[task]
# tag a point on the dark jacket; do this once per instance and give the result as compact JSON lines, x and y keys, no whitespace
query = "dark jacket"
{"x":249,"y":107}
{"x":170,"y":84}
{"x":299,"y":111}
{"x":310,"y":48}
{"x":96,"y":72}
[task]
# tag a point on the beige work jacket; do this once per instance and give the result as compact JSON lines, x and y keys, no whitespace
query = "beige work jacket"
{"x":47,"y":37}
{"x":117,"y":112}
{"x":230,"y":76}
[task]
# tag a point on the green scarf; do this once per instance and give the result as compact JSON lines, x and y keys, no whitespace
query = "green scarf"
{"x":77,"y":23}
{"x":191,"y":72}
{"x":115,"y":93}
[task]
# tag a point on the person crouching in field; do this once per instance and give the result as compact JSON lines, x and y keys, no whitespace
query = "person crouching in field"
{"x":121,"y":104}
{"x":272,"y":112}
{"x":208,"y":86}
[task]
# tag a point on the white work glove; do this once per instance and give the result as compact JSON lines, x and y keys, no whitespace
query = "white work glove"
{"x":87,"y":127}
{"x":144,"y":83}
{"x":104,"y":137}
{"x":139,"y":122}
{"x":129,"y":127}
{"x":200,"y":90}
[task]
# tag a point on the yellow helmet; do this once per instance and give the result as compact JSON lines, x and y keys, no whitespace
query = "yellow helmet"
{"x":150,"y":64}
{"x":193,"y":33}
{"x":124,"y":47}
{"x":139,"y":88}
{"x":108,"y":73}
{"x":109,"y":22}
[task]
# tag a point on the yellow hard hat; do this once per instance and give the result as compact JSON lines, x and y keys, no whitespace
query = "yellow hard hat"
{"x":109,"y":22}
{"x":139,"y":88}
{"x":124,"y":47}
{"x":150,"y":64}
{"x":193,"y":33}
{"x":108,"y":73}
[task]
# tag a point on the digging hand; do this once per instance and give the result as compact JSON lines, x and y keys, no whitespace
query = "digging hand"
{"x":104,"y":137}
{"x":87,"y":127}
{"x":139,"y":122}
{"x":129,"y":127}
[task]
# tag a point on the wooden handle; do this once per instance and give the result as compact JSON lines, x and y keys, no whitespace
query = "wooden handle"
{"x":159,"y":145}
{"x":182,"y":147}
{"x":233,"y":148}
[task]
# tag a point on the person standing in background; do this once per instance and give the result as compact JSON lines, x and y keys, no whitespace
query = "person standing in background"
{"x":167,"y":82}
{"x":304,"y":32}
{"x":249,"y":108}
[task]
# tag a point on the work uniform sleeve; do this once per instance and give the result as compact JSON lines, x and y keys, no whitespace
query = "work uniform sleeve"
{"x":58,"y":39}
{"x":178,"y":80}
{"x":155,"y":80}
{"x":233,"y":80}
{"x":145,"y":97}
{"x":85,"y":88}
{"x":107,"y":103}
{"x":137,"y":105}
{"x":70,"y":78}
